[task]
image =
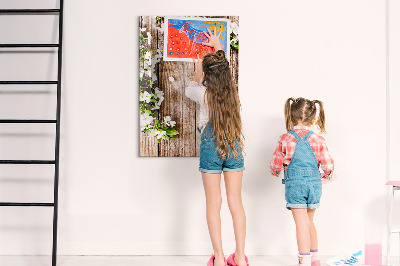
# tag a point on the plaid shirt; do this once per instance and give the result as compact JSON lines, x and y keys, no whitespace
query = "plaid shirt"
{"x":287,"y":144}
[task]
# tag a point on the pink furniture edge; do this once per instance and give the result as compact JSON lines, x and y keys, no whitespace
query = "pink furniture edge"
{"x":394,"y":186}
{"x":393,"y":183}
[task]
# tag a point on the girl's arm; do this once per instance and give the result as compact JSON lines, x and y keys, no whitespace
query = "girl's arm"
{"x":194,"y":90}
{"x":277,"y":159}
{"x":199,"y":70}
{"x":327,"y":163}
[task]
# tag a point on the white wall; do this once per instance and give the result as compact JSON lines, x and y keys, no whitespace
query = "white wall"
{"x":393,"y":109}
{"x":114,"y":202}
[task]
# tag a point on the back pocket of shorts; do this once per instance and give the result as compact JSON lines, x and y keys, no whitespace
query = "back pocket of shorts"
{"x":292,"y":191}
{"x":317,"y":190}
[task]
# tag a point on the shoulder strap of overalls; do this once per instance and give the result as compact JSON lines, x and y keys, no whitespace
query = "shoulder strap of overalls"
{"x":309,"y":133}
{"x":294,"y":133}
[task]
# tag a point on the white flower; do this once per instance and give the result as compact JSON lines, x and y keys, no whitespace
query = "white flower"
{"x":153,"y":76}
{"x":147,"y":56}
{"x":145,"y":97}
{"x":148,"y":68}
{"x":171,"y":79}
{"x":148,"y":38}
{"x":168,"y":121}
{"x":145,"y":120}
{"x":158,"y":93}
{"x":161,"y":134}
{"x":141,"y":72}
{"x":158,"y":56}
{"x":143,"y":29}
{"x":235,"y":28}
{"x":145,"y":127}
{"x":156,"y":107}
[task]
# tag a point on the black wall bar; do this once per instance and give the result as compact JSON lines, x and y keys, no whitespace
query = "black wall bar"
{"x":56,"y":121}
{"x":29,"y":11}
{"x":23,"y":45}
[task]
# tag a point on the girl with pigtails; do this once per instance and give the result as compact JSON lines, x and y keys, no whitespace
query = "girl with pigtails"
{"x":302,"y":154}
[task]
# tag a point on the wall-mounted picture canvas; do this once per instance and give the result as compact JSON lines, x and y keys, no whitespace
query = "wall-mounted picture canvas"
{"x":184,"y":37}
{"x":168,"y":119}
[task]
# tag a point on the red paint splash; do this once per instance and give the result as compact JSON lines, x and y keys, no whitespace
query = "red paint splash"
{"x":181,"y":46}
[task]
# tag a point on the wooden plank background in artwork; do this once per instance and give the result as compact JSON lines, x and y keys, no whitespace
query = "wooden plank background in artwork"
{"x":181,"y":109}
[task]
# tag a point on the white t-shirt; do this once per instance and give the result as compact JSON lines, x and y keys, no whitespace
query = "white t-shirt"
{"x":196,"y":92}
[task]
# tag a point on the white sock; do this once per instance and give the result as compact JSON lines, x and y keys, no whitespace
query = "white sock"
{"x":314,"y":255}
{"x":305,"y":260}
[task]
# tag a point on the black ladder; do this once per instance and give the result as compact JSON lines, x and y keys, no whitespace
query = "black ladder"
{"x":57,"y":82}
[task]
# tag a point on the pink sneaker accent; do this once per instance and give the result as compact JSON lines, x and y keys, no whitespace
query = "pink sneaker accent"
{"x":316,"y":263}
{"x":231,"y":260}
{"x":211,"y":260}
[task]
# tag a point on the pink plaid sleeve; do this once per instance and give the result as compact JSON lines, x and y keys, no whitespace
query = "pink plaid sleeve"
{"x":278,"y":157}
{"x":325,"y":160}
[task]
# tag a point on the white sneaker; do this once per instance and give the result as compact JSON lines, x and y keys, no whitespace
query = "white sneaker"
{"x":315,"y":259}
{"x":304,"y":260}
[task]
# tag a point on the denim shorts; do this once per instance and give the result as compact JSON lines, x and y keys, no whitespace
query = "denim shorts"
{"x":303,"y":193}
{"x":210,"y":160}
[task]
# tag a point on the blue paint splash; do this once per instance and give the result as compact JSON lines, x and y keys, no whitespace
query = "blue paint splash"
{"x":198,"y":27}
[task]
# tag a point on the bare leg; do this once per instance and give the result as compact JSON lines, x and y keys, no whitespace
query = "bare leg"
{"x":313,"y":230}
{"x":302,"y":221}
{"x":212,"y":188}
{"x":233,"y":183}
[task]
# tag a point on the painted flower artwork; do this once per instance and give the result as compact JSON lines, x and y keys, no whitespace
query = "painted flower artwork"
{"x":184,"y":37}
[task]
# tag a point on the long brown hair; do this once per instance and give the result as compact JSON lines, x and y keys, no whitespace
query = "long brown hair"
{"x":303,"y":110}
{"x":223,"y":104}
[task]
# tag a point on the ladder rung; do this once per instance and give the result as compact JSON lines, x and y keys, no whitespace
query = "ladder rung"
{"x":27,"y":161}
{"x":395,"y":231}
{"x":38,"y":204}
{"x":29,"y":82}
{"x":7,"y":11}
{"x":33,"y":45}
{"x":26,"y":121}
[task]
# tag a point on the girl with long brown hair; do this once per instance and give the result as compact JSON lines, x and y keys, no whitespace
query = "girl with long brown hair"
{"x":302,"y":153}
{"x":221,"y":147}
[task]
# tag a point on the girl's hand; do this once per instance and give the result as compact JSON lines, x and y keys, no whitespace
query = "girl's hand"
{"x":199,"y":65}
{"x":199,"y":70}
{"x":213,"y":39}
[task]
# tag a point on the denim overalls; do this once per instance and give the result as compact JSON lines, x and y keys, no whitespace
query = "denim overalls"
{"x":302,"y":181}
{"x":211,"y":162}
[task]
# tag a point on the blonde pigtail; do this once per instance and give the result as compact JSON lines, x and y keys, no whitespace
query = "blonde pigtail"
{"x":288,"y":114}
{"x":321,"y":116}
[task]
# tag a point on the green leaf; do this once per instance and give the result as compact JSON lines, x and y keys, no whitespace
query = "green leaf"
{"x":234,"y":46}
{"x":172,"y":131}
